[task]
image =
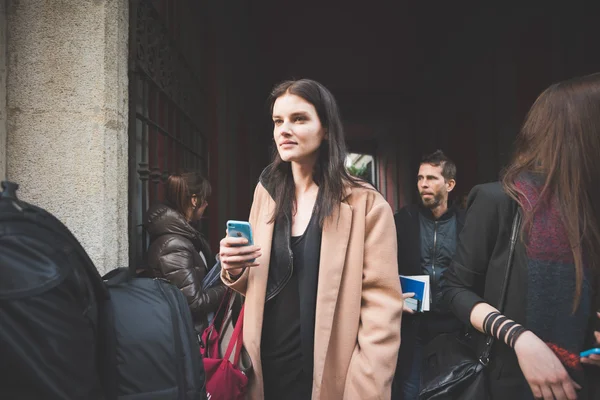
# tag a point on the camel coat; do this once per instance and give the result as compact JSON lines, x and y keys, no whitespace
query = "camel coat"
{"x":359,"y":301}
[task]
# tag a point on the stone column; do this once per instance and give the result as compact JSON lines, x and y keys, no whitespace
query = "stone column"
{"x":67,"y":116}
{"x":2,"y":89}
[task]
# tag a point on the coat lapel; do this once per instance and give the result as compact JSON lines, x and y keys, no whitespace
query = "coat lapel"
{"x":336,"y":235}
{"x":257,"y":279}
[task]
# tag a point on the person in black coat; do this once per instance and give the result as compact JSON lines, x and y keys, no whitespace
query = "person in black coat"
{"x":178,"y":252}
{"x":550,"y":313}
{"x":427,"y":234}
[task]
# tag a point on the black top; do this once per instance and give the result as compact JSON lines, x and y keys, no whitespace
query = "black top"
{"x":287,"y":370}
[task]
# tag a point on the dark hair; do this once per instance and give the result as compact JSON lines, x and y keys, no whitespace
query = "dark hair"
{"x":438,"y":158}
{"x":560,"y":141}
{"x":330,"y":172}
{"x":180,"y":189}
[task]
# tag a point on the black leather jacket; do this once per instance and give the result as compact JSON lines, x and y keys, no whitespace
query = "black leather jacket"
{"x":174,"y":256}
{"x":281,"y":252}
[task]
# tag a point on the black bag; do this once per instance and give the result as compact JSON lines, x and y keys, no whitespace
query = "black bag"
{"x":48,"y":307}
{"x":68,"y":335}
{"x":453,"y":369}
{"x":151,"y":340}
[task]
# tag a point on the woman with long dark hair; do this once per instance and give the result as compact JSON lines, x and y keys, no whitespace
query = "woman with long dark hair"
{"x":178,"y":252}
{"x":553,"y":291}
{"x":323,"y":300}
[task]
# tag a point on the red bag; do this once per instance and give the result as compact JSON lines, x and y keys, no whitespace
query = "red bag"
{"x":224,"y":379}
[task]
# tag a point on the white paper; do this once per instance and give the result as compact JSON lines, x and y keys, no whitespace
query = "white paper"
{"x":427,"y":294}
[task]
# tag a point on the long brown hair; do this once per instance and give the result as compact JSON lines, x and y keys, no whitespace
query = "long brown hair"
{"x":560,"y":141}
{"x":180,"y":189}
{"x":330,"y":172}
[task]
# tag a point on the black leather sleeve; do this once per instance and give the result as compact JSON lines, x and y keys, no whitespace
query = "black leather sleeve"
{"x":466,"y":275}
{"x":176,"y":263}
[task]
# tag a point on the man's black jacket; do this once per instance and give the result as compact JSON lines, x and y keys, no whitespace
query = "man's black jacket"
{"x":415,"y":226}
{"x":410,"y":237}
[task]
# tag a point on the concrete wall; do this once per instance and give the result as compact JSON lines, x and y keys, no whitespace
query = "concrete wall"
{"x":67,"y":117}
{"x":2,"y":89}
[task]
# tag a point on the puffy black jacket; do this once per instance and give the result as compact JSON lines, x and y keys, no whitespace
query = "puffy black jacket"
{"x":174,"y":255}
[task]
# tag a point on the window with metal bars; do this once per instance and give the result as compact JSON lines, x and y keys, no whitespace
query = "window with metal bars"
{"x":165,"y":120}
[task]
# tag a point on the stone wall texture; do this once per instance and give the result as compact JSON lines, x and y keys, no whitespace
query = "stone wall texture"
{"x":67,"y":113}
{"x":2,"y":89}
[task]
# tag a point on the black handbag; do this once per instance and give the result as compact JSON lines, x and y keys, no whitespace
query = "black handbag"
{"x":453,"y":368}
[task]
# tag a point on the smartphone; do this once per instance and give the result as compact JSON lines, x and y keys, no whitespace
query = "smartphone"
{"x":240,"y":229}
{"x":589,"y":352}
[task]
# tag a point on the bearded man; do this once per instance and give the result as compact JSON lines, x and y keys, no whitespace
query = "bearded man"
{"x":427,"y":236}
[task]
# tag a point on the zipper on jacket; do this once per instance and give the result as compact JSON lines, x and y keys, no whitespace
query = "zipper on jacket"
{"x":290,"y":267}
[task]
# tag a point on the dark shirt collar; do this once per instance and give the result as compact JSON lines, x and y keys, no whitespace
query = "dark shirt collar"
{"x":426,"y":212}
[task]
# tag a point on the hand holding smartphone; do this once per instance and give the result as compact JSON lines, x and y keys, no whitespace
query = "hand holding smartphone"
{"x":589,"y":352}
{"x":237,"y":250}
{"x":592,"y":356}
{"x":240,"y":229}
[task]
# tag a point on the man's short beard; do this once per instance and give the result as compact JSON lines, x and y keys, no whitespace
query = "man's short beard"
{"x":435,"y":201}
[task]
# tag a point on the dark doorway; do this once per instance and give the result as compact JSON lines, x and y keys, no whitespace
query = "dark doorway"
{"x":413,"y":77}
{"x":410,"y":77}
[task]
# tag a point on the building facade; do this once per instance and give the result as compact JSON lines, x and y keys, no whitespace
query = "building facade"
{"x":65,"y":116}
{"x":100,"y":101}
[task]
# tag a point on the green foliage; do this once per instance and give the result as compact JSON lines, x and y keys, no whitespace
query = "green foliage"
{"x":359,"y":172}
